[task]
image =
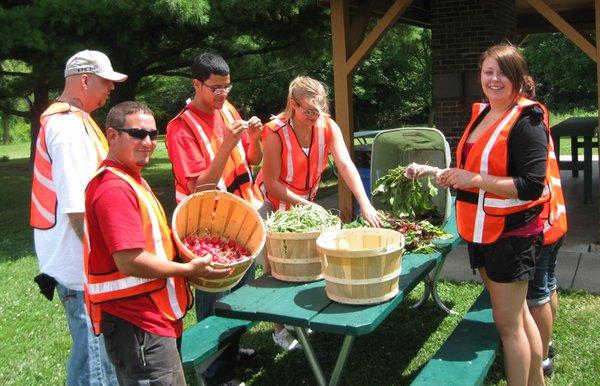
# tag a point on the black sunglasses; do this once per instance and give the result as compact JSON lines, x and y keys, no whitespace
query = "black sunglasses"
{"x":139,"y":133}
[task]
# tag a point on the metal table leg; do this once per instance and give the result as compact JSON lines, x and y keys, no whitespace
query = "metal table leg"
{"x":425,"y":296}
{"x":310,"y":355}
{"x":434,"y":291}
{"x":341,"y":361}
{"x":314,"y":363}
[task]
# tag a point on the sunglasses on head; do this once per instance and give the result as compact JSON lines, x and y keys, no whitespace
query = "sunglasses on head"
{"x":139,"y":133}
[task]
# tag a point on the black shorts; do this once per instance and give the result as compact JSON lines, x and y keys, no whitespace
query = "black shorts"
{"x":509,"y":259}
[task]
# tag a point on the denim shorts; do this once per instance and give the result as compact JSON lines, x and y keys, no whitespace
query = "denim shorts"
{"x":508,"y":259}
{"x":544,"y":281}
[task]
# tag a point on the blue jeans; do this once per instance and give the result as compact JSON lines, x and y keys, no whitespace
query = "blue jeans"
{"x":544,"y":280}
{"x":88,"y":363}
{"x":205,"y":307}
{"x":205,"y":301}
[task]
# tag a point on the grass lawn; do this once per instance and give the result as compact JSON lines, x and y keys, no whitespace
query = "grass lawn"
{"x":35,"y":339}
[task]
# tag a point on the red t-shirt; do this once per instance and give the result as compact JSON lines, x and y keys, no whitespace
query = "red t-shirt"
{"x":115,"y":224}
{"x":533,"y":227}
{"x":183,"y":148}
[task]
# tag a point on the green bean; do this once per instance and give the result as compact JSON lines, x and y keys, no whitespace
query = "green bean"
{"x":301,"y":218}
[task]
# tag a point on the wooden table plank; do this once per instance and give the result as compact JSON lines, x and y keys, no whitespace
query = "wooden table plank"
{"x":300,"y":307}
{"x":267,"y":298}
{"x":248,"y":300}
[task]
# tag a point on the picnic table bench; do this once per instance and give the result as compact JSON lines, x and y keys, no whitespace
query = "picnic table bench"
{"x":575,"y":127}
{"x":468,"y":353}
{"x":202,"y":343}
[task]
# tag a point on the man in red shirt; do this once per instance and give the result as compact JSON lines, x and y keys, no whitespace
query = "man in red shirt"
{"x":208,"y":143}
{"x":136,"y":292}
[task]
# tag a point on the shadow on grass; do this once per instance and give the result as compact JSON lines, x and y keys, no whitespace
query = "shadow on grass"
{"x":378,"y":358}
{"x":16,"y":240}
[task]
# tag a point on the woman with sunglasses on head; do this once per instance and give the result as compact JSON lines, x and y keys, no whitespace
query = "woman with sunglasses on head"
{"x":296,"y":145}
{"x":500,"y":178}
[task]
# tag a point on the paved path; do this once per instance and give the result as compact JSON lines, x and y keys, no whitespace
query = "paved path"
{"x":577,"y":267}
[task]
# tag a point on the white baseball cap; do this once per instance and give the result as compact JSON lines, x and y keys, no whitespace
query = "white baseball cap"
{"x":92,"y":62}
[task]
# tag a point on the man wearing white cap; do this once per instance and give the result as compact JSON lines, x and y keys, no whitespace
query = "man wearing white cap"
{"x":69,"y":148}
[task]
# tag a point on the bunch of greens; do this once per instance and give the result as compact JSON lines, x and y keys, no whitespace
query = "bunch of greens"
{"x":406,"y":197}
{"x":301,"y":218}
{"x":418,"y":235}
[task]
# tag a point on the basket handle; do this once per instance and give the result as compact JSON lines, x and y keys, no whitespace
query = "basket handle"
{"x":205,"y":187}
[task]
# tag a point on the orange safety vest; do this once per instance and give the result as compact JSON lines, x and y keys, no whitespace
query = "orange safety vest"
{"x":237,"y":176}
{"x":43,"y":193}
{"x":172,"y":296}
{"x":480,"y":215}
{"x":554,"y":214}
{"x":300,"y":173}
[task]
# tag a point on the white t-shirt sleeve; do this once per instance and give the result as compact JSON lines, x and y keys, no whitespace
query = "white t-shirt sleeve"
{"x":73,"y":161}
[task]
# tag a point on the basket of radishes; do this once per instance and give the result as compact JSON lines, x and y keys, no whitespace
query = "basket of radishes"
{"x":222,"y":225}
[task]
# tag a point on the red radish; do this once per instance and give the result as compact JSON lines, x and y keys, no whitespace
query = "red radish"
{"x":222,"y":251}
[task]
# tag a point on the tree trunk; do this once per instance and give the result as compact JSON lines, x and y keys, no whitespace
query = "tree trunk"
{"x":40,"y":103}
{"x":5,"y":130}
{"x":125,"y":91}
{"x":430,"y":117}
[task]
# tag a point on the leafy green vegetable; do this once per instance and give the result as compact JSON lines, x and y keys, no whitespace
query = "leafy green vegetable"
{"x":418,"y":235}
{"x":301,"y":218}
{"x":406,"y":197}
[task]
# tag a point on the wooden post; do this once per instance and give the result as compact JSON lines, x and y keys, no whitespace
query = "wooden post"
{"x":348,"y":53}
{"x":342,"y":85}
{"x":596,"y":245}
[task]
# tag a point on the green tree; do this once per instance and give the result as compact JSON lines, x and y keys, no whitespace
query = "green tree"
{"x":145,"y":38}
{"x":565,"y":76}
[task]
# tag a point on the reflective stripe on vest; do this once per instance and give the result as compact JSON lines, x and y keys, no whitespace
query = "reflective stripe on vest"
{"x":483,"y":221}
{"x":554,"y":214}
{"x":237,"y":176}
{"x":172,"y":295}
{"x":43,"y":192}
{"x":299,"y":173}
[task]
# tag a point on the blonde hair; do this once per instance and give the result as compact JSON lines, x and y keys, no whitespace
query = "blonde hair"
{"x":514,"y":66}
{"x":310,"y":90}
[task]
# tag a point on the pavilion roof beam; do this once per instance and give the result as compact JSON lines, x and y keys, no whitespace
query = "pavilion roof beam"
{"x":385,"y":23}
{"x":563,"y":26}
{"x":597,"y":12}
{"x":348,"y":52}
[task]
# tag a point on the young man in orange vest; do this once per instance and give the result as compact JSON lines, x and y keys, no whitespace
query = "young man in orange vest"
{"x":69,"y":148}
{"x":209,"y":143}
{"x":136,"y":293}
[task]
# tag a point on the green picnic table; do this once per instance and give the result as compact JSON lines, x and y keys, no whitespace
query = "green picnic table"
{"x":306,"y":305}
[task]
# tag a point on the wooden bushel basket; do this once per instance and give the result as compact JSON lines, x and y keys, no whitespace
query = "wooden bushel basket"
{"x":294,"y":256}
{"x":219,"y":214}
{"x":361,"y":266}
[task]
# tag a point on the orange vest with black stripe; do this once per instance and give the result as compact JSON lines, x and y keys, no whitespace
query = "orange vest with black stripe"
{"x":481,"y":215}
{"x":300,"y":173}
{"x":43,"y":193}
{"x":237,"y":175}
{"x":172,"y":296}
{"x":554,"y":214}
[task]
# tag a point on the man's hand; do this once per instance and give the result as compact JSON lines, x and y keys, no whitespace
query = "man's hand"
{"x":254,"y":127}
{"x":200,"y":267}
{"x":233,"y":132}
